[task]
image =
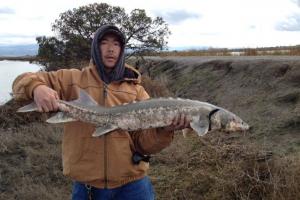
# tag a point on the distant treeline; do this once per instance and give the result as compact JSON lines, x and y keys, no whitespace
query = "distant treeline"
{"x":280,"y":51}
{"x":19,"y":58}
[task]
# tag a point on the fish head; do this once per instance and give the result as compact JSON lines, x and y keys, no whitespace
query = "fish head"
{"x":227,"y":121}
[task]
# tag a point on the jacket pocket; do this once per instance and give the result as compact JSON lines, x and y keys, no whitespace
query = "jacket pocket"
{"x":78,"y":142}
{"x":89,"y":164}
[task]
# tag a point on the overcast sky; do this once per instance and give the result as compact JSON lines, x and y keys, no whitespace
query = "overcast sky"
{"x":213,"y":23}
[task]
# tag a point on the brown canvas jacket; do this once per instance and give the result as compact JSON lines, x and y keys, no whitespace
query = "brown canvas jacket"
{"x":103,"y":162}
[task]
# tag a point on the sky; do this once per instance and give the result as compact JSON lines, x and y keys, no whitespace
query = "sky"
{"x":193,"y":23}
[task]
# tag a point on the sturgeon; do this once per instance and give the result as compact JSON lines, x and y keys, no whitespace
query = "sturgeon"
{"x":151,"y":113}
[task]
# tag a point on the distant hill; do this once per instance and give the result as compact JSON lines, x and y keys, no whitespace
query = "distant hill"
{"x":19,"y":50}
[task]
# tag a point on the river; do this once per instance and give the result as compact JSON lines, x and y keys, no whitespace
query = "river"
{"x":9,"y":70}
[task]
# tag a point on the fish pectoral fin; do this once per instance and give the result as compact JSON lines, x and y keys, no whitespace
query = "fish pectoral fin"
{"x":60,"y":117}
{"x":101,"y":130}
{"x":28,"y":108}
{"x":200,"y":125}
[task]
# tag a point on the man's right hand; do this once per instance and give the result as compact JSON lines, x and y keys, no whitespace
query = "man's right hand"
{"x":45,"y":98}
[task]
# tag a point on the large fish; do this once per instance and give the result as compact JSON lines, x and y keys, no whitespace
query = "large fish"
{"x":145,"y":114}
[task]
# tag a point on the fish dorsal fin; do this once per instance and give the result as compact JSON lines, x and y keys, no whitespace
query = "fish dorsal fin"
{"x":200,"y":124}
{"x":85,"y":99}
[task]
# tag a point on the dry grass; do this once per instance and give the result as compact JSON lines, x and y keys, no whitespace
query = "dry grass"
{"x":155,"y":88}
{"x":206,"y":168}
{"x":30,"y":166}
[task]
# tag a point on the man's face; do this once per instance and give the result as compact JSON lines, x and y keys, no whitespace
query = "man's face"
{"x":110,"y":48}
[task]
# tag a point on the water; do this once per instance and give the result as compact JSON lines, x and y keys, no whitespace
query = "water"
{"x":9,"y":70}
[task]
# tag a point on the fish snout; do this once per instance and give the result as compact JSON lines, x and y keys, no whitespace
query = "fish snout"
{"x":238,"y":126}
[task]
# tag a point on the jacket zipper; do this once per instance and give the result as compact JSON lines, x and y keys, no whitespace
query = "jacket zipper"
{"x":105,"y":144}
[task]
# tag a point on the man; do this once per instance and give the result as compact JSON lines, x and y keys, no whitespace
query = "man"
{"x":112,"y":166}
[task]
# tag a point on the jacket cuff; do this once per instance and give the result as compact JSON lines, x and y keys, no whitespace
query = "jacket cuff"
{"x":30,"y":88}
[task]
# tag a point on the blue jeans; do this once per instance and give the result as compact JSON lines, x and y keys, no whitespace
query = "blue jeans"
{"x":138,"y":190}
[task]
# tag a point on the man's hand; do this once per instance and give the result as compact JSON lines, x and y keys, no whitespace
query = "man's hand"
{"x":178,"y":123}
{"x":45,"y":98}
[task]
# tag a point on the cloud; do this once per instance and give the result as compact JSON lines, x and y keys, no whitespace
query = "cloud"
{"x":6,"y":10}
{"x":10,"y":38}
{"x":10,"y":35}
{"x":296,"y":2}
{"x":37,"y":18}
{"x":177,"y":16}
{"x":291,"y":24}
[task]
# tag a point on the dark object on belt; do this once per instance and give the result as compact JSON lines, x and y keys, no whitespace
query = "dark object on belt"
{"x":137,"y":158}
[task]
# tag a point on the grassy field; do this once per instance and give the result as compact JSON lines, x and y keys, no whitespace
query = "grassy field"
{"x":262,"y":163}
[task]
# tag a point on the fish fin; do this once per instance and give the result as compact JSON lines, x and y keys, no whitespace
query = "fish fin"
{"x":101,"y":130}
{"x":200,"y":125}
{"x":60,"y":117}
{"x":85,"y":99}
{"x":28,"y":108}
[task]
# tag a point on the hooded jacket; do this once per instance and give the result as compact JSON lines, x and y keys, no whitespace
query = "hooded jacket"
{"x":117,"y":73}
{"x":106,"y":161}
